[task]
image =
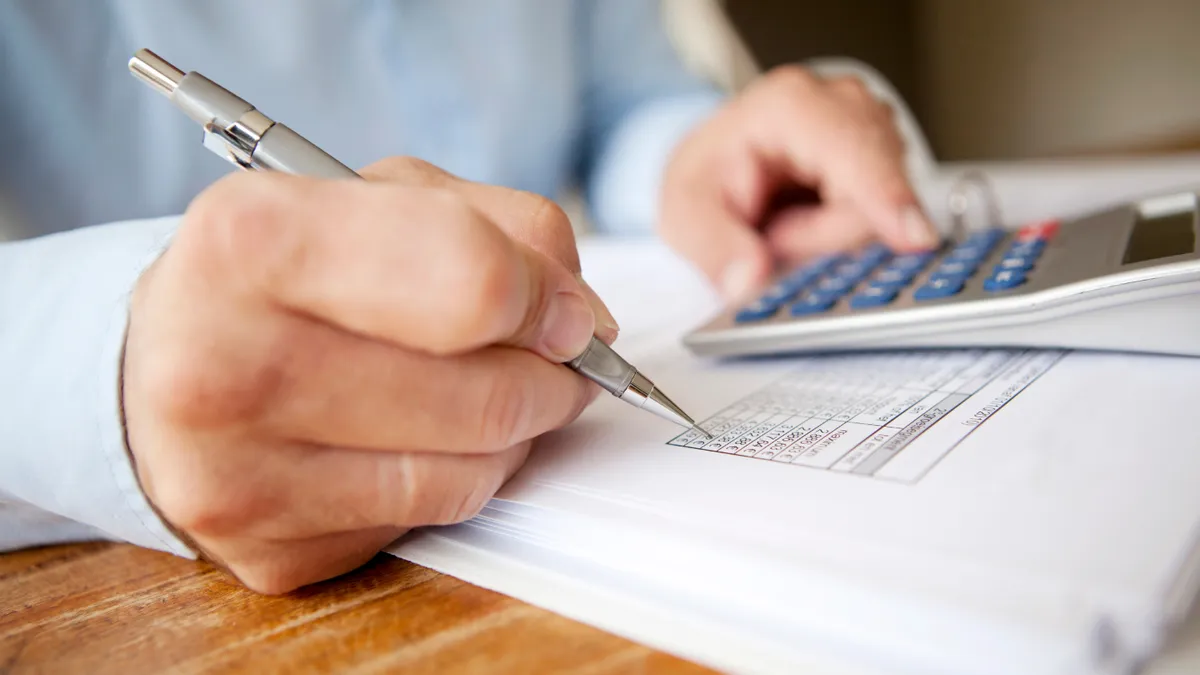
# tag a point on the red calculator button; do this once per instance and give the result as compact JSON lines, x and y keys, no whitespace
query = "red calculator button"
{"x":1044,"y":231}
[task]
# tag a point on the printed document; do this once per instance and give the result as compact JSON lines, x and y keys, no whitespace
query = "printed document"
{"x":959,"y":511}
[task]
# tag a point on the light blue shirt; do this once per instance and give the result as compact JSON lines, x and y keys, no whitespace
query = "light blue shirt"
{"x":540,"y":95}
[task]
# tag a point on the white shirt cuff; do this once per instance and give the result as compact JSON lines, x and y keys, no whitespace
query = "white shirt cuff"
{"x":65,"y":299}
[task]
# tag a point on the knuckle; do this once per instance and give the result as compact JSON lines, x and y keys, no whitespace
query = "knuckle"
{"x":552,"y":233}
{"x":405,"y":168}
{"x":792,"y":77}
{"x":478,"y":274}
{"x":852,"y":87}
{"x":191,"y":385}
{"x":489,"y":286}
{"x":239,"y":230}
{"x":549,"y":219}
{"x":505,"y":414}
{"x":202,"y":505}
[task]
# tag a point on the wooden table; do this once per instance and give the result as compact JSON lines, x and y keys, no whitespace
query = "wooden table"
{"x":110,"y":608}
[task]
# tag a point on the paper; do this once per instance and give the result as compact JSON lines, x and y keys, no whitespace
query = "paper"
{"x":1031,"y":512}
{"x":857,"y":413}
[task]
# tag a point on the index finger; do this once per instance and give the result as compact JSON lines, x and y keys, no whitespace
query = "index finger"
{"x":840,"y":135}
{"x":525,"y":217}
{"x":416,"y":267}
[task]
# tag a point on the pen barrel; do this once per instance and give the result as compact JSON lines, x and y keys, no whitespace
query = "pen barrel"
{"x":282,"y":149}
{"x":600,"y":364}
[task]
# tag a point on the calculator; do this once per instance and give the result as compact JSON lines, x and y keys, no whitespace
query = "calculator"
{"x":1126,"y":278}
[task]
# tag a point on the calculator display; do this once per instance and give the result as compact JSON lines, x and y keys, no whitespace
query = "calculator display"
{"x":1161,"y":236}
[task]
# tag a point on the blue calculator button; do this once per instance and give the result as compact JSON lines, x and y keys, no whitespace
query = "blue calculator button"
{"x":814,"y":303}
{"x":910,"y":262}
{"x":757,"y":311}
{"x":1015,"y":262}
{"x":874,"y":254}
{"x":806,"y":274}
{"x":987,"y":238}
{"x":954,"y":269}
{"x":1031,"y":248}
{"x":835,"y":285}
{"x":853,"y":272}
{"x":892,"y":279}
{"x":782,"y":292}
{"x":796,"y":281}
{"x":1004,"y":280}
{"x":939,"y":288}
{"x":969,"y":254}
{"x":827,"y":262}
{"x":873,"y":296}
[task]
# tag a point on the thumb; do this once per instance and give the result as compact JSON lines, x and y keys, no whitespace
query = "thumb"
{"x":557,"y":320}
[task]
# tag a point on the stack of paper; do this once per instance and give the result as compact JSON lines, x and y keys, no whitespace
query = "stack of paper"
{"x":981,"y":511}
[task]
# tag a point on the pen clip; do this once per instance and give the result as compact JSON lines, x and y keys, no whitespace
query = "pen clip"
{"x":224,"y":145}
{"x":237,"y":142}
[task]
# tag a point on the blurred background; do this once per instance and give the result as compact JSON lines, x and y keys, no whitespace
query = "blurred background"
{"x":985,"y":79}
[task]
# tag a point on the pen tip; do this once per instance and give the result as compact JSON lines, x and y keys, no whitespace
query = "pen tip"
{"x":702,"y":430}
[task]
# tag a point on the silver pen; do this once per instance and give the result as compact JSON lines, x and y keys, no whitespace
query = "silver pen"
{"x":237,"y":132}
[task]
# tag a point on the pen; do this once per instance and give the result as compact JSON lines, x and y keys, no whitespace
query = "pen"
{"x":237,"y":132}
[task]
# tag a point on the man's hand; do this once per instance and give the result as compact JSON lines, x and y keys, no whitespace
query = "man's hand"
{"x":314,"y":367}
{"x":794,"y":167}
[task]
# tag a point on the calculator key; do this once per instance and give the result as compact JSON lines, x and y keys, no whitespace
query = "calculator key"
{"x":828,"y":262}
{"x":873,"y":296}
{"x":939,"y":288}
{"x":874,"y":254}
{"x":1032,"y":248}
{"x":1043,"y":231}
{"x":1004,"y":280}
{"x":814,"y":303}
{"x":781,"y":292}
{"x":892,"y":279}
{"x":794,"y":283}
{"x":911,"y":262}
{"x":757,"y":311}
{"x":854,"y":272}
{"x":987,"y":238}
{"x":968,"y":254}
{"x":806,"y":274}
{"x":954,"y":269}
{"x":835,"y":285}
{"x":1015,"y":262}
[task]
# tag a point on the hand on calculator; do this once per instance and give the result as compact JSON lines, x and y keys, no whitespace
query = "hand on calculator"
{"x":789,"y":129}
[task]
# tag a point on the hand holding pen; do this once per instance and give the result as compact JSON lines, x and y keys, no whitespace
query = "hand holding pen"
{"x":315,"y":366}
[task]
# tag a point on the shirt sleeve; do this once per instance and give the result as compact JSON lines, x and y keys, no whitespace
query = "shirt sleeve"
{"x":65,"y":471}
{"x":639,"y":100}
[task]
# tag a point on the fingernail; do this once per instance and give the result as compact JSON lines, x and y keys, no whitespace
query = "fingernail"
{"x":606,"y":324}
{"x":567,"y":326}
{"x":738,"y":281}
{"x":918,"y":230}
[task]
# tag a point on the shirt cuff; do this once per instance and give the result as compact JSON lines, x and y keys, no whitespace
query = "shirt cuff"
{"x":67,"y":298}
{"x":626,"y":182}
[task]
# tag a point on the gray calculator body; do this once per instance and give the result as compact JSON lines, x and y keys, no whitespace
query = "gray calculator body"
{"x":1125,"y":279}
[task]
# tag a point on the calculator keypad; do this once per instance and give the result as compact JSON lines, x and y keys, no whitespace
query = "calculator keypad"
{"x":875,"y":277}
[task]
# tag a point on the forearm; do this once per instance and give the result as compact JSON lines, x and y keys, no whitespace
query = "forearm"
{"x":64,"y":300}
